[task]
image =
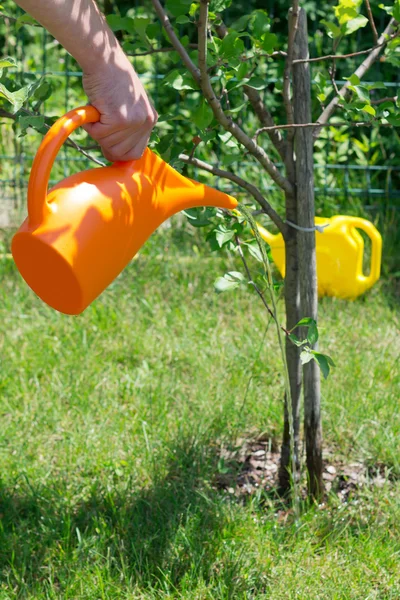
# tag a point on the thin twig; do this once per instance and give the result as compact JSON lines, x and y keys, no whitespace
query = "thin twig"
{"x":371,"y":21}
{"x":68,"y":142}
{"x":332,"y":74}
{"x":249,"y":187}
{"x":386,"y":99}
{"x":317,"y":126}
{"x":339,"y":56}
{"x":254,"y":285}
{"x":157,"y":51}
{"x":359,"y":72}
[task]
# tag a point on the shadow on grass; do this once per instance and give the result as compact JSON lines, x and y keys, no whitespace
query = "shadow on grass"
{"x":166,"y":534}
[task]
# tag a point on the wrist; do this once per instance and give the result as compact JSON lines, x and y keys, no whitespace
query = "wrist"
{"x":105,"y":61}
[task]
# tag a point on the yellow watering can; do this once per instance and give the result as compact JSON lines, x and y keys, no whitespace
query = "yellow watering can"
{"x":340,"y":252}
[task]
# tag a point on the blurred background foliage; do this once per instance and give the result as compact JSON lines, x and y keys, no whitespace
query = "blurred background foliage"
{"x":357,"y":168}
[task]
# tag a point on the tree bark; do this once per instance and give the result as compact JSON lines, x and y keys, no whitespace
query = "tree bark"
{"x":306,"y":252}
{"x":292,"y":352}
{"x":292,"y":306}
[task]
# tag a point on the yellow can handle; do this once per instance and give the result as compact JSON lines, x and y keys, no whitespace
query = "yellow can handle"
{"x":376,"y":248}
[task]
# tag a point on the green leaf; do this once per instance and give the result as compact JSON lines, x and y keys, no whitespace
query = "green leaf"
{"x":180,"y":81}
{"x":232,"y":46}
{"x":203,"y":116}
{"x":354,"y":24}
{"x":393,"y":120}
{"x":312,"y":333}
{"x":118,"y":23}
{"x":228,"y":282}
{"x":325,"y":362}
{"x":269,"y":42}
{"x":369,"y":109}
{"x":34,"y":121}
{"x":361,"y":92}
{"x":354,"y":79}
{"x":260,"y":23}
{"x":241,"y":23}
{"x":43,"y":91}
{"x":223,"y":235}
{"x":182,"y":19}
{"x":254,"y":250}
{"x":178,"y":7}
{"x":333,"y":30}
{"x":396,"y":10}
{"x":17,"y":98}
{"x":242,"y":70}
{"x":306,"y":356}
{"x":257,"y":83}
{"x":199,"y":217}
{"x":305,"y":322}
{"x":25,"y":20}
{"x":219,"y":5}
{"x":295,"y":340}
{"x":7,"y":61}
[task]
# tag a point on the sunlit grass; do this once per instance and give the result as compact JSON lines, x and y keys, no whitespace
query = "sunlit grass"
{"x":111,"y":423}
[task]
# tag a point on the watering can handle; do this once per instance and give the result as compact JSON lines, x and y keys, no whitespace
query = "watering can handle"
{"x":376,"y":247}
{"x":38,"y":206}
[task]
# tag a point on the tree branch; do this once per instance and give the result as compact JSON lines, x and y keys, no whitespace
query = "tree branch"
{"x":318,"y":125}
{"x":204,"y":81}
{"x":166,"y":23}
{"x":339,"y":56}
{"x":266,"y":120}
{"x":258,"y":105}
{"x":371,"y":21}
{"x":220,"y":115}
{"x":360,"y":72}
{"x":252,"y":189}
{"x":157,"y":51}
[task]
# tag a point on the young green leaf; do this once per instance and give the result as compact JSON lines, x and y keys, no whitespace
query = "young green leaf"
{"x":325,"y":362}
{"x":306,"y":356}
{"x":7,"y":61}
{"x":203,"y":116}
{"x":228,"y":282}
{"x":34,"y":121}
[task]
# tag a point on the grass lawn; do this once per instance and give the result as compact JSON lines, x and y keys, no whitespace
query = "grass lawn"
{"x":111,"y":424}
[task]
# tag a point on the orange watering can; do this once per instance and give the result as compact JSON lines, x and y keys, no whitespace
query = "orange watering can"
{"x":80,"y":235}
{"x":340,"y":253}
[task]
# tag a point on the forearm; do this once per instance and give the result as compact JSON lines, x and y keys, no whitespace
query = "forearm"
{"x":80,"y":27}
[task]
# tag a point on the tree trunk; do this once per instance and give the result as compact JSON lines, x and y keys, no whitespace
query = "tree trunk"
{"x":292,"y":352}
{"x":306,"y":252}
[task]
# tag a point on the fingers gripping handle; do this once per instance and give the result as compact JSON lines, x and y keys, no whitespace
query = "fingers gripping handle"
{"x":44,"y":159}
{"x":376,"y":248}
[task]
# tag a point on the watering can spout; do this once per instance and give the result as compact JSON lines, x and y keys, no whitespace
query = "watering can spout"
{"x":172,"y":192}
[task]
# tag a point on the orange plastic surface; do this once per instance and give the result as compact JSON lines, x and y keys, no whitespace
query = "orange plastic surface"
{"x":81,"y":234}
{"x":340,"y":254}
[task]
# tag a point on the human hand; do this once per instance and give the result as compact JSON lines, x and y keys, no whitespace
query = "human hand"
{"x":127,"y":116}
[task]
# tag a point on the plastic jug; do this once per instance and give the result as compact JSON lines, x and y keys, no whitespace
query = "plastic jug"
{"x":80,"y":235}
{"x":340,"y":252}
